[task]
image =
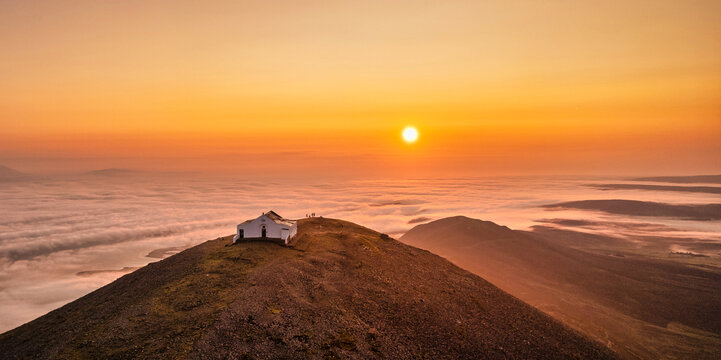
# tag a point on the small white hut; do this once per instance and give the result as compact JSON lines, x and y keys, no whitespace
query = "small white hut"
{"x":267,"y":227}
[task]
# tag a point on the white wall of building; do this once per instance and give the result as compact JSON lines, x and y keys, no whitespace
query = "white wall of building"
{"x":254,"y":229}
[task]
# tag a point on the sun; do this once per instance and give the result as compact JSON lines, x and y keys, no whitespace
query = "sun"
{"x":410,"y":134}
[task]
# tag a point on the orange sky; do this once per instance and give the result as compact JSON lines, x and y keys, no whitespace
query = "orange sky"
{"x":494,"y":87}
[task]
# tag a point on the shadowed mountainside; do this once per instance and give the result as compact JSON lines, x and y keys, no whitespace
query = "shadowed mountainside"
{"x":343,"y":291}
{"x":645,"y":208}
{"x":640,"y":307}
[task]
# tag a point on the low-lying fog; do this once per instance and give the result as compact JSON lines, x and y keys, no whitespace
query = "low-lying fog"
{"x":63,"y":237}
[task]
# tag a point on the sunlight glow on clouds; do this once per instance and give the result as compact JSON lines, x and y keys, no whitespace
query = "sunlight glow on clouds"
{"x":96,"y":225}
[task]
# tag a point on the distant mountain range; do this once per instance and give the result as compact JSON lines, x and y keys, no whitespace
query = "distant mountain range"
{"x":714,"y":179}
{"x":9,"y":172}
{"x":684,"y":188}
{"x":342,"y":291}
{"x":700,"y":212}
{"x":112,"y":172}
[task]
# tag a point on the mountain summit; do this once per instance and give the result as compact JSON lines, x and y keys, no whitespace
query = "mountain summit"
{"x":341,"y":291}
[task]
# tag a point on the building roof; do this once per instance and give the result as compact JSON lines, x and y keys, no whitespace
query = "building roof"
{"x":279,"y":219}
{"x":275,"y":217}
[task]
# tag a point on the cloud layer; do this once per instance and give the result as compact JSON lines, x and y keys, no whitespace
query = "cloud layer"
{"x":54,"y":229}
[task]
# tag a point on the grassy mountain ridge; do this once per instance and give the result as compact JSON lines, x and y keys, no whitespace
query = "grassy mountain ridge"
{"x":640,"y":307}
{"x":343,"y":291}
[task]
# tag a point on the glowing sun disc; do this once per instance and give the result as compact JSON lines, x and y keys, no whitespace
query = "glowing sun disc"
{"x":410,"y":134}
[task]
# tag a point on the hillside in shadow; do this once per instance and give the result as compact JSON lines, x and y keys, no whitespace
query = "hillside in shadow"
{"x":640,"y":307}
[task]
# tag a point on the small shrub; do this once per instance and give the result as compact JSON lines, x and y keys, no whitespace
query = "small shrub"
{"x":303,"y":337}
{"x":345,"y":341}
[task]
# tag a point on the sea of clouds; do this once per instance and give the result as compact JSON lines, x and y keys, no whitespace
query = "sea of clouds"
{"x":62,"y":237}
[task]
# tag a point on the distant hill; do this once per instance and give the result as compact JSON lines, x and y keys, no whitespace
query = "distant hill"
{"x":8,"y":172}
{"x":112,"y":172}
{"x":697,"y":189}
{"x":646,"y":208}
{"x":714,"y":179}
{"x":343,"y":291}
{"x":640,"y":307}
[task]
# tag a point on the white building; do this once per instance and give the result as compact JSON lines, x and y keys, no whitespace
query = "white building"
{"x":269,"y":226}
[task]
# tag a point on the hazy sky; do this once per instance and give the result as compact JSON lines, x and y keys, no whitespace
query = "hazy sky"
{"x":494,"y":87}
